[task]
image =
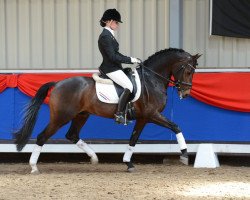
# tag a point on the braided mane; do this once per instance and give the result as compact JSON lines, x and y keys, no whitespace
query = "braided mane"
{"x":161,"y":53}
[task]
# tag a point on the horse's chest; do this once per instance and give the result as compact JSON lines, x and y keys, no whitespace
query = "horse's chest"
{"x":157,"y":102}
{"x":161,"y":100}
{"x":160,"y":94}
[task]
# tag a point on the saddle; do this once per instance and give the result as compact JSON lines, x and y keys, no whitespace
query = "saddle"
{"x":119,"y":89}
{"x":109,"y":92}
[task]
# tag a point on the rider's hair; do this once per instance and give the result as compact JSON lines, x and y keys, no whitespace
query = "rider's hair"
{"x":102,"y":23}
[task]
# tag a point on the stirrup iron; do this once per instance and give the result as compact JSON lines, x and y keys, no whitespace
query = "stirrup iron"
{"x":121,"y":118}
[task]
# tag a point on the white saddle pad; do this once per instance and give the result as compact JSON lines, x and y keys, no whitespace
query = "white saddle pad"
{"x":106,"y":92}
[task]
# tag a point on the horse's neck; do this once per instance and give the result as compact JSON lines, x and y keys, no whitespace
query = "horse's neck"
{"x":153,"y":88}
{"x":162,"y":72}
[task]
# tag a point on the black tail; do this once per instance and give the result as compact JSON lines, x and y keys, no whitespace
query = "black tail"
{"x":22,"y":136}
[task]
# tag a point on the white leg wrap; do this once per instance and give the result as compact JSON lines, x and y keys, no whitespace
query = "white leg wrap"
{"x":35,"y":154}
{"x":181,"y":141}
{"x":86,"y":148}
{"x":128,"y":154}
{"x":34,"y":157}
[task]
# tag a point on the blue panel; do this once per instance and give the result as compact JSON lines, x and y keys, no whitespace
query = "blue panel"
{"x":203,"y":122}
{"x":197,"y":120}
{"x":6,"y":113}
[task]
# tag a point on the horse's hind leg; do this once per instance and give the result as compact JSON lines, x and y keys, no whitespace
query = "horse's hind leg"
{"x":41,"y":139}
{"x":73,"y":135}
{"x":76,"y":125}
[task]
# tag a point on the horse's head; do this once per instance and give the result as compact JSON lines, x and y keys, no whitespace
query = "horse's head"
{"x":173,"y":62}
{"x":183,"y":74}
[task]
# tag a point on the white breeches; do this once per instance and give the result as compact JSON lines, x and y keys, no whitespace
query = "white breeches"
{"x":121,"y":79}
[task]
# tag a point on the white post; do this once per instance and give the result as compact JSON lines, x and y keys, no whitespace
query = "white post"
{"x":206,"y":157}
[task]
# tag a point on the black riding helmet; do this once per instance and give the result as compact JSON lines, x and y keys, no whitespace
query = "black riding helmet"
{"x":111,"y":14}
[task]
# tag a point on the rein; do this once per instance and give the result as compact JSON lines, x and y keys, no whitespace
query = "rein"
{"x":164,"y":78}
{"x":177,"y":83}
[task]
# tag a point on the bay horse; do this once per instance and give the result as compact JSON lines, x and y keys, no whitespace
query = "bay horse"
{"x":74,"y":99}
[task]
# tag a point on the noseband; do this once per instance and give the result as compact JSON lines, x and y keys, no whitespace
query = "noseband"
{"x":179,"y":83}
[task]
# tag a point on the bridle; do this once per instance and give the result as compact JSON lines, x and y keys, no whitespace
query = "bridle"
{"x":177,"y":83}
{"x":181,"y":70}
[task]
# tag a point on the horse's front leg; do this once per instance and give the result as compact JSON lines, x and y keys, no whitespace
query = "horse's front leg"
{"x":139,"y":125}
{"x":159,"y":119}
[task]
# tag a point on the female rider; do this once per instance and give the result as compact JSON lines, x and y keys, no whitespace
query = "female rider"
{"x":112,"y":59}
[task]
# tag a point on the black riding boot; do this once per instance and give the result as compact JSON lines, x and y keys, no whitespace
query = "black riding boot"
{"x":119,"y":116}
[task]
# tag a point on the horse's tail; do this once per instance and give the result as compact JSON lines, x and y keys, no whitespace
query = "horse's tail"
{"x":22,"y":136}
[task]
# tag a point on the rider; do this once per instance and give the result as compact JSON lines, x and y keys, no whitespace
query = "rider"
{"x":112,"y":59}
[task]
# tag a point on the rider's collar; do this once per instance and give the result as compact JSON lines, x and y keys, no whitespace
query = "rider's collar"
{"x":110,"y":30}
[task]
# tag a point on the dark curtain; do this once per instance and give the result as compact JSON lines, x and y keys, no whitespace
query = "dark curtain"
{"x":231,"y":18}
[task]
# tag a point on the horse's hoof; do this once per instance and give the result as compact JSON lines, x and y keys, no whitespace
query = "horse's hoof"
{"x":34,"y":169}
{"x":130,"y":170}
{"x":184,"y":160}
{"x":34,"y":172}
{"x":94,"y":160}
{"x":130,"y":166}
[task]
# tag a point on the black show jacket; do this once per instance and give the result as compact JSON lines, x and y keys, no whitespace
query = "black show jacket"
{"x":109,"y":49}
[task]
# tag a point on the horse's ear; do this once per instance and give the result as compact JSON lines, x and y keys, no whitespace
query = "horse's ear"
{"x":197,"y":56}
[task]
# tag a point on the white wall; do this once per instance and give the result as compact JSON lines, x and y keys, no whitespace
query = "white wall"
{"x":63,"y":34}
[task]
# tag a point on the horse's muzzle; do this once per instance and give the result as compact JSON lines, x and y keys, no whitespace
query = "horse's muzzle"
{"x":184,"y":93}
